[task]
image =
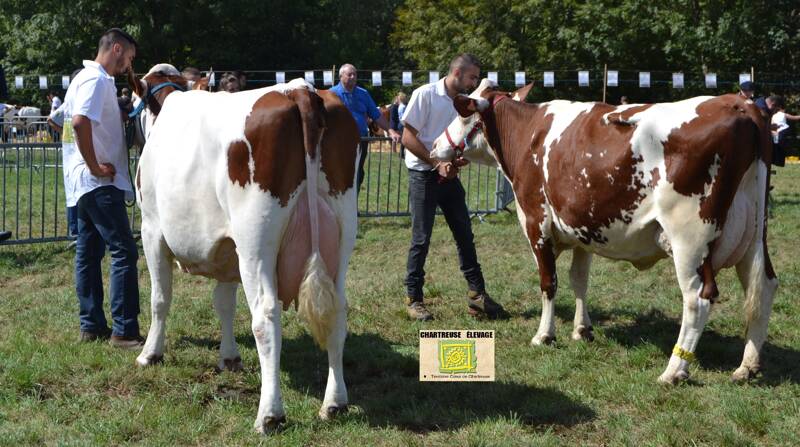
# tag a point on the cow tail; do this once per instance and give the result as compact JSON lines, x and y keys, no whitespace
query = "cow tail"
{"x":317,"y":298}
{"x":757,"y":282}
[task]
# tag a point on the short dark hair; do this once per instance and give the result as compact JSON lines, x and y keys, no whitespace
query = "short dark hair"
{"x":463,"y":61}
{"x":777,"y":101}
{"x":115,"y":35}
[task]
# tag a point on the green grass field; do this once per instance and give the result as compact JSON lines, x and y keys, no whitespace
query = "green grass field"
{"x":54,"y":391}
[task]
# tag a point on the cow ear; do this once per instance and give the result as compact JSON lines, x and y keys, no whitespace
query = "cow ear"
{"x":465,"y":106}
{"x":522,"y":93}
{"x":135,"y":84}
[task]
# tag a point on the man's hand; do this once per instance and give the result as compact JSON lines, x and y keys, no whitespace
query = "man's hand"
{"x":460,"y":162}
{"x":447,"y":170}
{"x":104,"y":170}
{"x":394,"y":135}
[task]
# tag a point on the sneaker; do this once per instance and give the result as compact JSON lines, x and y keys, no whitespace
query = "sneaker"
{"x":481,"y":304}
{"x":87,"y":336}
{"x":127,"y":342}
{"x":417,"y":311}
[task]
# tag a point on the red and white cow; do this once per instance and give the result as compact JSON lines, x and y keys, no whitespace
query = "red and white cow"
{"x":253,"y":187}
{"x":639,"y":183}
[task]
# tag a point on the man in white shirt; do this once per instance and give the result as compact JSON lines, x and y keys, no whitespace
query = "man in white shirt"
{"x":433,"y":184}
{"x":97,"y":182}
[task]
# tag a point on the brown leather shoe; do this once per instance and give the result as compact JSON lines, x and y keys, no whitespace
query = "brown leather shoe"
{"x":481,"y":304}
{"x":126,"y":342}
{"x":87,"y":336}
{"x":417,"y":311}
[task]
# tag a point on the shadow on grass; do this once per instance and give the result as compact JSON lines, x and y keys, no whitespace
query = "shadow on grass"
{"x":386,"y":385}
{"x":715,"y":351}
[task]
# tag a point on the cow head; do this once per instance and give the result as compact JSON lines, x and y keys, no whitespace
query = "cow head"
{"x":149,"y":94}
{"x":465,"y":136}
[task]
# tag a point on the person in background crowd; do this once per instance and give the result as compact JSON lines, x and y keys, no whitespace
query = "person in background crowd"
{"x":55,"y":101}
{"x":191,"y":75}
{"x":230,"y":83}
{"x":747,"y":90}
{"x":395,"y":113}
{"x":97,"y":182}
{"x":780,"y":128}
{"x":242,"y":78}
{"x":361,"y":105}
{"x":623,"y":100}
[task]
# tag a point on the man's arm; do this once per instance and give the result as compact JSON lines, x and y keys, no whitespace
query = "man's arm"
{"x":83,"y":138}
{"x":381,"y":122}
{"x":412,"y":144}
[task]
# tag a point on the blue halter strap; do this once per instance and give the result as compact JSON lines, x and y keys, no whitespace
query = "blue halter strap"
{"x":152,"y":92}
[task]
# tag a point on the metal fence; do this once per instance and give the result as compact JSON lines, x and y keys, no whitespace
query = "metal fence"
{"x":33,"y":208}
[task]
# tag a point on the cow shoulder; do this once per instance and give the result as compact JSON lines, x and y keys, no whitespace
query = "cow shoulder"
{"x":339,"y":144}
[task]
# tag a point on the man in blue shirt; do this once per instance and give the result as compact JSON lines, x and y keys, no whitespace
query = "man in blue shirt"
{"x":361,"y":105}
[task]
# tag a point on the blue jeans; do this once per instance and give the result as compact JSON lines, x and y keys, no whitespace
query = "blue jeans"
{"x":72,"y":221}
{"x":103,"y":221}
{"x":425,"y":193}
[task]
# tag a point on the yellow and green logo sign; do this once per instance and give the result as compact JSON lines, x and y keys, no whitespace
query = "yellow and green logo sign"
{"x":457,"y":356}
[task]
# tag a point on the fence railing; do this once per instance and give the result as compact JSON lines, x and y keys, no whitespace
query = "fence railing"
{"x":33,"y":205}
{"x":27,"y":129}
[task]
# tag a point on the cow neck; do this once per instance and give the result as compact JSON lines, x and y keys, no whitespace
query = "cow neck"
{"x":507,"y":124}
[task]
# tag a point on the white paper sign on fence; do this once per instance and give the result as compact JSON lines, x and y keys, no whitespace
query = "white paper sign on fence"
{"x":677,"y":80}
{"x":433,"y":76}
{"x":406,"y":78}
{"x":18,"y":83}
{"x":644,"y":79}
{"x":613,"y":78}
{"x":327,"y":77}
{"x":549,"y":79}
{"x":492,"y":76}
{"x":212,"y":81}
{"x":310,"y":77}
{"x":711,"y":80}
{"x":43,"y":82}
{"x":376,"y":79}
{"x":65,"y":82}
{"x":280,"y":77}
{"x":519,"y":78}
{"x":744,"y":77}
{"x":583,"y":78}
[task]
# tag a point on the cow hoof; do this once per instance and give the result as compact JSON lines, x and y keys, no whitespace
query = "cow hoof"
{"x":674,"y":379}
{"x":328,"y":413}
{"x":271,"y":425}
{"x":149,"y":360}
{"x":232,"y":365}
{"x":584,"y":333}
{"x":541,"y":340}
{"x":743,"y":374}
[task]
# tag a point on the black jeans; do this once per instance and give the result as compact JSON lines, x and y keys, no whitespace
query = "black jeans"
{"x":425,"y":194}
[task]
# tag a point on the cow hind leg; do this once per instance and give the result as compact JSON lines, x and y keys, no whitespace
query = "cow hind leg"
{"x":759,"y":291}
{"x":257,"y":269}
{"x":335,"y":401}
{"x":698,"y":288}
{"x":225,"y":305}
{"x":579,"y":280}
{"x":159,"y":264}
{"x":548,"y":282}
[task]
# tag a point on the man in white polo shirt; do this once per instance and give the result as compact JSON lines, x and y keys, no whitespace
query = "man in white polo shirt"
{"x":97,"y":182}
{"x":432,"y":184}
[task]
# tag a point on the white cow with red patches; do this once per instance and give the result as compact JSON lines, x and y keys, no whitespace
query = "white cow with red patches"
{"x":224,"y":192}
{"x":686,"y":180}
